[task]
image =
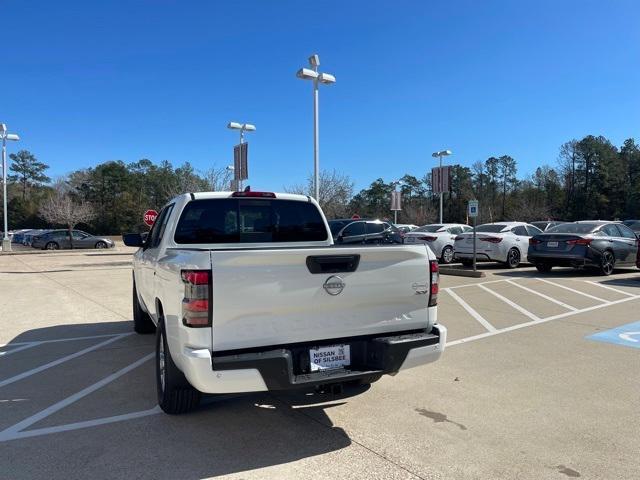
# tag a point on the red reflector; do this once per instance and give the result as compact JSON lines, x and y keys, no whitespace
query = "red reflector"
{"x":254,"y":194}
{"x":580,"y":241}
{"x":196,"y":305}
{"x":195,"y":277}
{"x":197,"y":321}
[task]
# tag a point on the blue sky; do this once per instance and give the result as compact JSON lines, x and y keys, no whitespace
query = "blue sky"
{"x":85,"y":82}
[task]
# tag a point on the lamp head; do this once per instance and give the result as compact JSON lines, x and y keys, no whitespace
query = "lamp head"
{"x":234,"y":125}
{"x":314,"y":60}
{"x":307,"y":74}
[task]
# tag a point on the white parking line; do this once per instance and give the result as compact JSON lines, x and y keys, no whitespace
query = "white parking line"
{"x":11,"y":432}
{"x":476,"y":284}
{"x":537,"y":322}
{"x":542,"y":295}
{"x":38,"y":342}
{"x":599,"y":284}
{"x":471,"y":311}
{"x":573,"y":290}
{"x":33,"y":371}
{"x":19,"y":349}
{"x":510,"y":303}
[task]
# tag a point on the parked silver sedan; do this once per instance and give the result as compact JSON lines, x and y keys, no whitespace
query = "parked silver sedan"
{"x":59,"y":239}
{"x":440,"y":238}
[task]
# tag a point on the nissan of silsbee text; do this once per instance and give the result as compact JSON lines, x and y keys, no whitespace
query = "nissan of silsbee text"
{"x":246,"y":292}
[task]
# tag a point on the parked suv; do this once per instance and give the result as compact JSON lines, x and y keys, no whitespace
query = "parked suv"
{"x":365,"y":231}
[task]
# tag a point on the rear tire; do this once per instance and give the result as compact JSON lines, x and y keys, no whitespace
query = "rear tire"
{"x":447,"y":255}
{"x":142,"y":322}
{"x":513,"y":258}
{"x":51,"y":246}
{"x":607,"y":263}
{"x":466,"y":262}
{"x":101,"y":245}
{"x":543,"y":267}
{"x":175,"y":393}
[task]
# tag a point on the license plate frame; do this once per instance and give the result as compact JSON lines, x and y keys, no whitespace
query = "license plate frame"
{"x":552,"y":244}
{"x":329,"y":357}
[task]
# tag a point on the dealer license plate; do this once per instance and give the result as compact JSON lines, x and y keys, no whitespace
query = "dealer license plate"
{"x":333,"y":356}
{"x":552,"y":244}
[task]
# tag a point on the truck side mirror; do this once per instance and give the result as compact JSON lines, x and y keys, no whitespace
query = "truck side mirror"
{"x":133,"y":239}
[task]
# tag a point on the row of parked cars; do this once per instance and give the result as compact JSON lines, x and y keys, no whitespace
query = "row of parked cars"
{"x":598,"y":244}
{"x":59,"y":239}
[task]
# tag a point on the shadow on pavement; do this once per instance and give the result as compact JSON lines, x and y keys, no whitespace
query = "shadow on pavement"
{"x":226,"y":434}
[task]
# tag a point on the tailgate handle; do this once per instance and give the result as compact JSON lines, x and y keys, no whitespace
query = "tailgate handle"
{"x":333,"y":263}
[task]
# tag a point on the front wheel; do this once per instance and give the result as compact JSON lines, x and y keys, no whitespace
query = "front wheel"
{"x":175,"y":393}
{"x":607,"y":263}
{"x":52,"y":246}
{"x":513,"y":258}
{"x":447,"y":254}
{"x":101,"y":245}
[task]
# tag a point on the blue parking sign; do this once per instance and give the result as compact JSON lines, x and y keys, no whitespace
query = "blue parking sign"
{"x":627,"y":335}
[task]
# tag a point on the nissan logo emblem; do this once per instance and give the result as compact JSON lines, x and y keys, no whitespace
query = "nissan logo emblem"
{"x":334,"y":285}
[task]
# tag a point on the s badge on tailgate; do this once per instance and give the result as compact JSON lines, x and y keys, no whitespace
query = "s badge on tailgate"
{"x":334,"y":285}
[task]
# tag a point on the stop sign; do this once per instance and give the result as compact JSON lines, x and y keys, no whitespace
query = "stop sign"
{"x":150,"y":217}
{"x":355,"y":217}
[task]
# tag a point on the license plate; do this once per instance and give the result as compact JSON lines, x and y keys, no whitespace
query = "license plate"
{"x":552,"y":244}
{"x":326,"y":358}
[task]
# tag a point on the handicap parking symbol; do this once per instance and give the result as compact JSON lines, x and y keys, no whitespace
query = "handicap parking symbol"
{"x":627,"y":335}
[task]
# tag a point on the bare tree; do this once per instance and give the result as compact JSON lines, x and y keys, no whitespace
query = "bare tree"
{"x":218,"y":179}
{"x":336,"y":190}
{"x":60,"y":208}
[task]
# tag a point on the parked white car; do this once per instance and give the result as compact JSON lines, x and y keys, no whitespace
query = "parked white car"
{"x":440,"y":237}
{"x":505,"y":242}
{"x":405,"y":227}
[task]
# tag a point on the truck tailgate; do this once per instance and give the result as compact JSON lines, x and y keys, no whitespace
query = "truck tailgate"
{"x":269,"y":297}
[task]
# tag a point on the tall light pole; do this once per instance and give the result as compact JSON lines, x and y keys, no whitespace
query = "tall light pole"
{"x":6,"y":241}
{"x":243,"y":127}
{"x":327,"y":79}
{"x":440,"y":154}
{"x":396,"y":184}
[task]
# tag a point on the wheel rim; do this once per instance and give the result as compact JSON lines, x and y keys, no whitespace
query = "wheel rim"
{"x":51,"y":246}
{"x":100,"y":245}
{"x":607,"y":263}
{"x":447,"y":254}
{"x":161,"y":363}
{"x":514,"y":257}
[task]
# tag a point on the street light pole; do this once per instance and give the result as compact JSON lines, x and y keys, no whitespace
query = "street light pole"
{"x":6,"y":241}
{"x":440,"y":154}
{"x":317,"y":78}
{"x":244,"y":127}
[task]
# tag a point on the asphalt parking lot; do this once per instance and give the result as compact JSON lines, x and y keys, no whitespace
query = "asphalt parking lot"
{"x":520,"y":392}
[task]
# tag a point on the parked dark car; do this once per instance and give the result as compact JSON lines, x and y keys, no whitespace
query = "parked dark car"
{"x":545,"y":225}
{"x":59,"y":239}
{"x":364,"y":231}
{"x":598,"y":244}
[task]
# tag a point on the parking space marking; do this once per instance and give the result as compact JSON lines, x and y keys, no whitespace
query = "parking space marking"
{"x":510,"y":303}
{"x":54,"y":363}
{"x":539,"y":321}
{"x":55,"y":340}
{"x":593,"y":297}
{"x":599,"y":284}
{"x":14,"y":431}
{"x":471,"y":311}
{"x":542,"y":295}
{"x":19,"y":349}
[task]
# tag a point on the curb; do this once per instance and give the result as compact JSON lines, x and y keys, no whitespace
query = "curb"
{"x":461,"y":273}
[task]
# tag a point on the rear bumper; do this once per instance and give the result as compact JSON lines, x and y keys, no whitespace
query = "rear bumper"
{"x":287,"y":367}
{"x":563,"y":260}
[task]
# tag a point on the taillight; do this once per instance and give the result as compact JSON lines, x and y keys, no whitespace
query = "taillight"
{"x":580,"y":241}
{"x":428,"y":238}
{"x":491,"y":239}
{"x":435,"y":279}
{"x":459,"y":238}
{"x":534,"y":241}
{"x":196,"y":311}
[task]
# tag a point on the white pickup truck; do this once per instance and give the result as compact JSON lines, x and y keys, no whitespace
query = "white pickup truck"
{"x":246,"y":292}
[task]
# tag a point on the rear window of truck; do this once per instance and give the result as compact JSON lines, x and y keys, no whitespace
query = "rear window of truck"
{"x":249,"y":221}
